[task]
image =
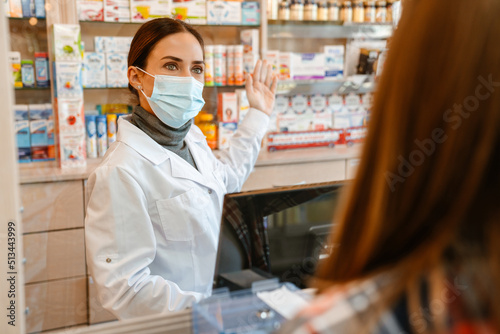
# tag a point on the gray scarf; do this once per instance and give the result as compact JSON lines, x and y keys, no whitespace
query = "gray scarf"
{"x":168,"y":137}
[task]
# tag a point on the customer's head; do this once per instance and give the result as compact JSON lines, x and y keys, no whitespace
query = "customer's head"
{"x":166,"y":47}
{"x":427,"y":191}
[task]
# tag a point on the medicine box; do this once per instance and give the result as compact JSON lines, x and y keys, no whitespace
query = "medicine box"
{"x":250,"y":40}
{"x":116,"y":10}
{"x":67,"y":42}
{"x":16,"y":8}
{"x":223,"y":12}
{"x":72,"y":151}
{"x":145,"y":10}
{"x":71,"y":118}
{"x":335,"y":103}
{"x":192,"y":11}
{"x":15,"y":65}
{"x":112,"y":44}
{"x":42,"y":69}
{"x":243,"y":104}
{"x":68,"y":79}
{"x":40,"y":9}
{"x":90,"y":10}
{"x":308,"y":66}
{"x":281,"y":104}
{"x":22,"y":128}
{"x":116,"y":70}
{"x":94,"y":70}
{"x":226,"y":131}
{"x":250,"y":13}
{"x":28,"y":73}
{"x":273,"y":58}
{"x":28,"y":8}
{"x":334,"y":61}
{"x":227,"y":108}
{"x":285,"y":66}
{"x":38,"y":132}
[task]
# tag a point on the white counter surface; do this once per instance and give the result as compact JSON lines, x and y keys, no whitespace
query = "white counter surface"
{"x":49,"y":172}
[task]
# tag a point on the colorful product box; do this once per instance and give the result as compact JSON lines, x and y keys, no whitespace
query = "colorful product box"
{"x":38,"y":132}
{"x":144,"y":10}
{"x":299,"y":104}
{"x":335,"y":103}
{"x":193,"y":11}
{"x":226,"y":131}
{"x":308,"y":66}
{"x":102,"y":135}
{"x":227,"y":108}
{"x":42,"y":69}
{"x":273,"y":57}
{"x":209,"y":66}
{"x":250,"y":40}
{"x":94,"y":70}
{"x":28,"y":73}
{"x":116,"y":70}
{"x":72,"y":151}
{"x":6,"y":6}
{"x":281,"y":104}
{"x":243,"y":104}
{"x":293,"y":122}
{"x":223,"y":12}
{"x":67,"y":42}
{"x":285,"y":66}
{"x":16,"y":8}
{"x":353,"y":102}
{"x":28,"y":8}
{"x":71,"y":119}
{"x":334,"y":61}
{"x":15,"y":65}
{"x":250,"y":13}
{"x":116,"y":11}
{"x":249,"y":62}
{"x":91,"y":129}
{"x":22,"y":129}
{"x":40,"y":9}
{"x":90,"y":10}
{"x":322,"y":116}
{"x":68,"y":82}
{"x":112,"y":44}
{"x":50,"y":132}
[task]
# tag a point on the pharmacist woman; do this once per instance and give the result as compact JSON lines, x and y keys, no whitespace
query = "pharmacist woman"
{"x":155,"y":202}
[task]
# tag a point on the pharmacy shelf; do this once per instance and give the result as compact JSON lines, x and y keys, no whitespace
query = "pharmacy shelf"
{"x":41,"y":19}
{"x":319,"y":29}
{"x":359,"y":84}
{"x":196,"y":25}
{"x":31,"y":88}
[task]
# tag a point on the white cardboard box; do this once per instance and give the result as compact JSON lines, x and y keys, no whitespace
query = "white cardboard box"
{"x":223,"y":12}
{"x":116,"y":70}
{"x":94,"y":70}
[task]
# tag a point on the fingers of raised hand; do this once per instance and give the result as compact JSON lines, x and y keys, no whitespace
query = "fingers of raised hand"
{"x":256,"y":71}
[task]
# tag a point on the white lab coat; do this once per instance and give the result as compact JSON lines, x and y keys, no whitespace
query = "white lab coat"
{"x":152,"y":223}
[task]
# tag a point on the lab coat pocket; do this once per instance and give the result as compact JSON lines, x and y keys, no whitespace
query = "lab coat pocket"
{"x":183,"y":217}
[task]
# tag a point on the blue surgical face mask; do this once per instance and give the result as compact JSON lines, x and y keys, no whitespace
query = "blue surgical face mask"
{"x":175,"y":100}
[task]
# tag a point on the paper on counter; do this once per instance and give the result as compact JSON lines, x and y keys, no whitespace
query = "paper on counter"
{"x":283,"y":301}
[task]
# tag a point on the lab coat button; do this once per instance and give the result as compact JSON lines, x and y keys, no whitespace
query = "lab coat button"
{"x":108,"y":260}
{"x":210,"y":191}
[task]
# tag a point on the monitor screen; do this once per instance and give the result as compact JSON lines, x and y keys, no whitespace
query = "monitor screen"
{"x":281,"y":231}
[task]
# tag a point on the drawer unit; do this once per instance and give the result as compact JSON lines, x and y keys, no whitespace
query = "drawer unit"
{"x":52,"y":206}
{"x":54,"y":255}
{"x":56,"y":304}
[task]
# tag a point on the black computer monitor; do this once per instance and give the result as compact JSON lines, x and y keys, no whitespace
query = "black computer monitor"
{"x":280,"y":231}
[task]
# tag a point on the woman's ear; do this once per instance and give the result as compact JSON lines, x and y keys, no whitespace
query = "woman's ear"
{"x":135,"y":77}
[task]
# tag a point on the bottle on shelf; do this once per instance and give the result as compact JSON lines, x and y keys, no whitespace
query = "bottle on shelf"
{"x":381,"y":14}
{"x":205,"y":121}
{"x":358,"y":14}
{"x":310,"y":11}
{"x":370,"y":12}
{"x":389,"y":11}
{"x":333,"y":10}
{"x":297,"y":10}
{"x":346,"y":11}
{"x":322,"y":11}
{"x":284,"y":11}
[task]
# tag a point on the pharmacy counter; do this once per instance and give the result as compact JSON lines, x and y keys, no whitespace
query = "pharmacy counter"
{"x":49,"y":172}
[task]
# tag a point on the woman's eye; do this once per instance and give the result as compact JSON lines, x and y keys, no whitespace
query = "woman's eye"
{"x":198,"y":70}
{"x":171,"y":67}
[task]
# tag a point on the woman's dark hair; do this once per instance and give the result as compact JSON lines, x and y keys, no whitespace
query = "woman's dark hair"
{"x":151,"y":33}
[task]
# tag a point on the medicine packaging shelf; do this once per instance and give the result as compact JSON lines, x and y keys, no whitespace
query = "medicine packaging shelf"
{"x":194,"y":24}
{"x":42,"y":19}
{"x":330,"y":30}
{"x":359,"y":84}
{"x":31,"y":88}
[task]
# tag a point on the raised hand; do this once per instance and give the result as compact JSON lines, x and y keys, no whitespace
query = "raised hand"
{"x":261,"y":87}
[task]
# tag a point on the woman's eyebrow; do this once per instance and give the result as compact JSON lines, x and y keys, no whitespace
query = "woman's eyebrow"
{"x":179,"y":60}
